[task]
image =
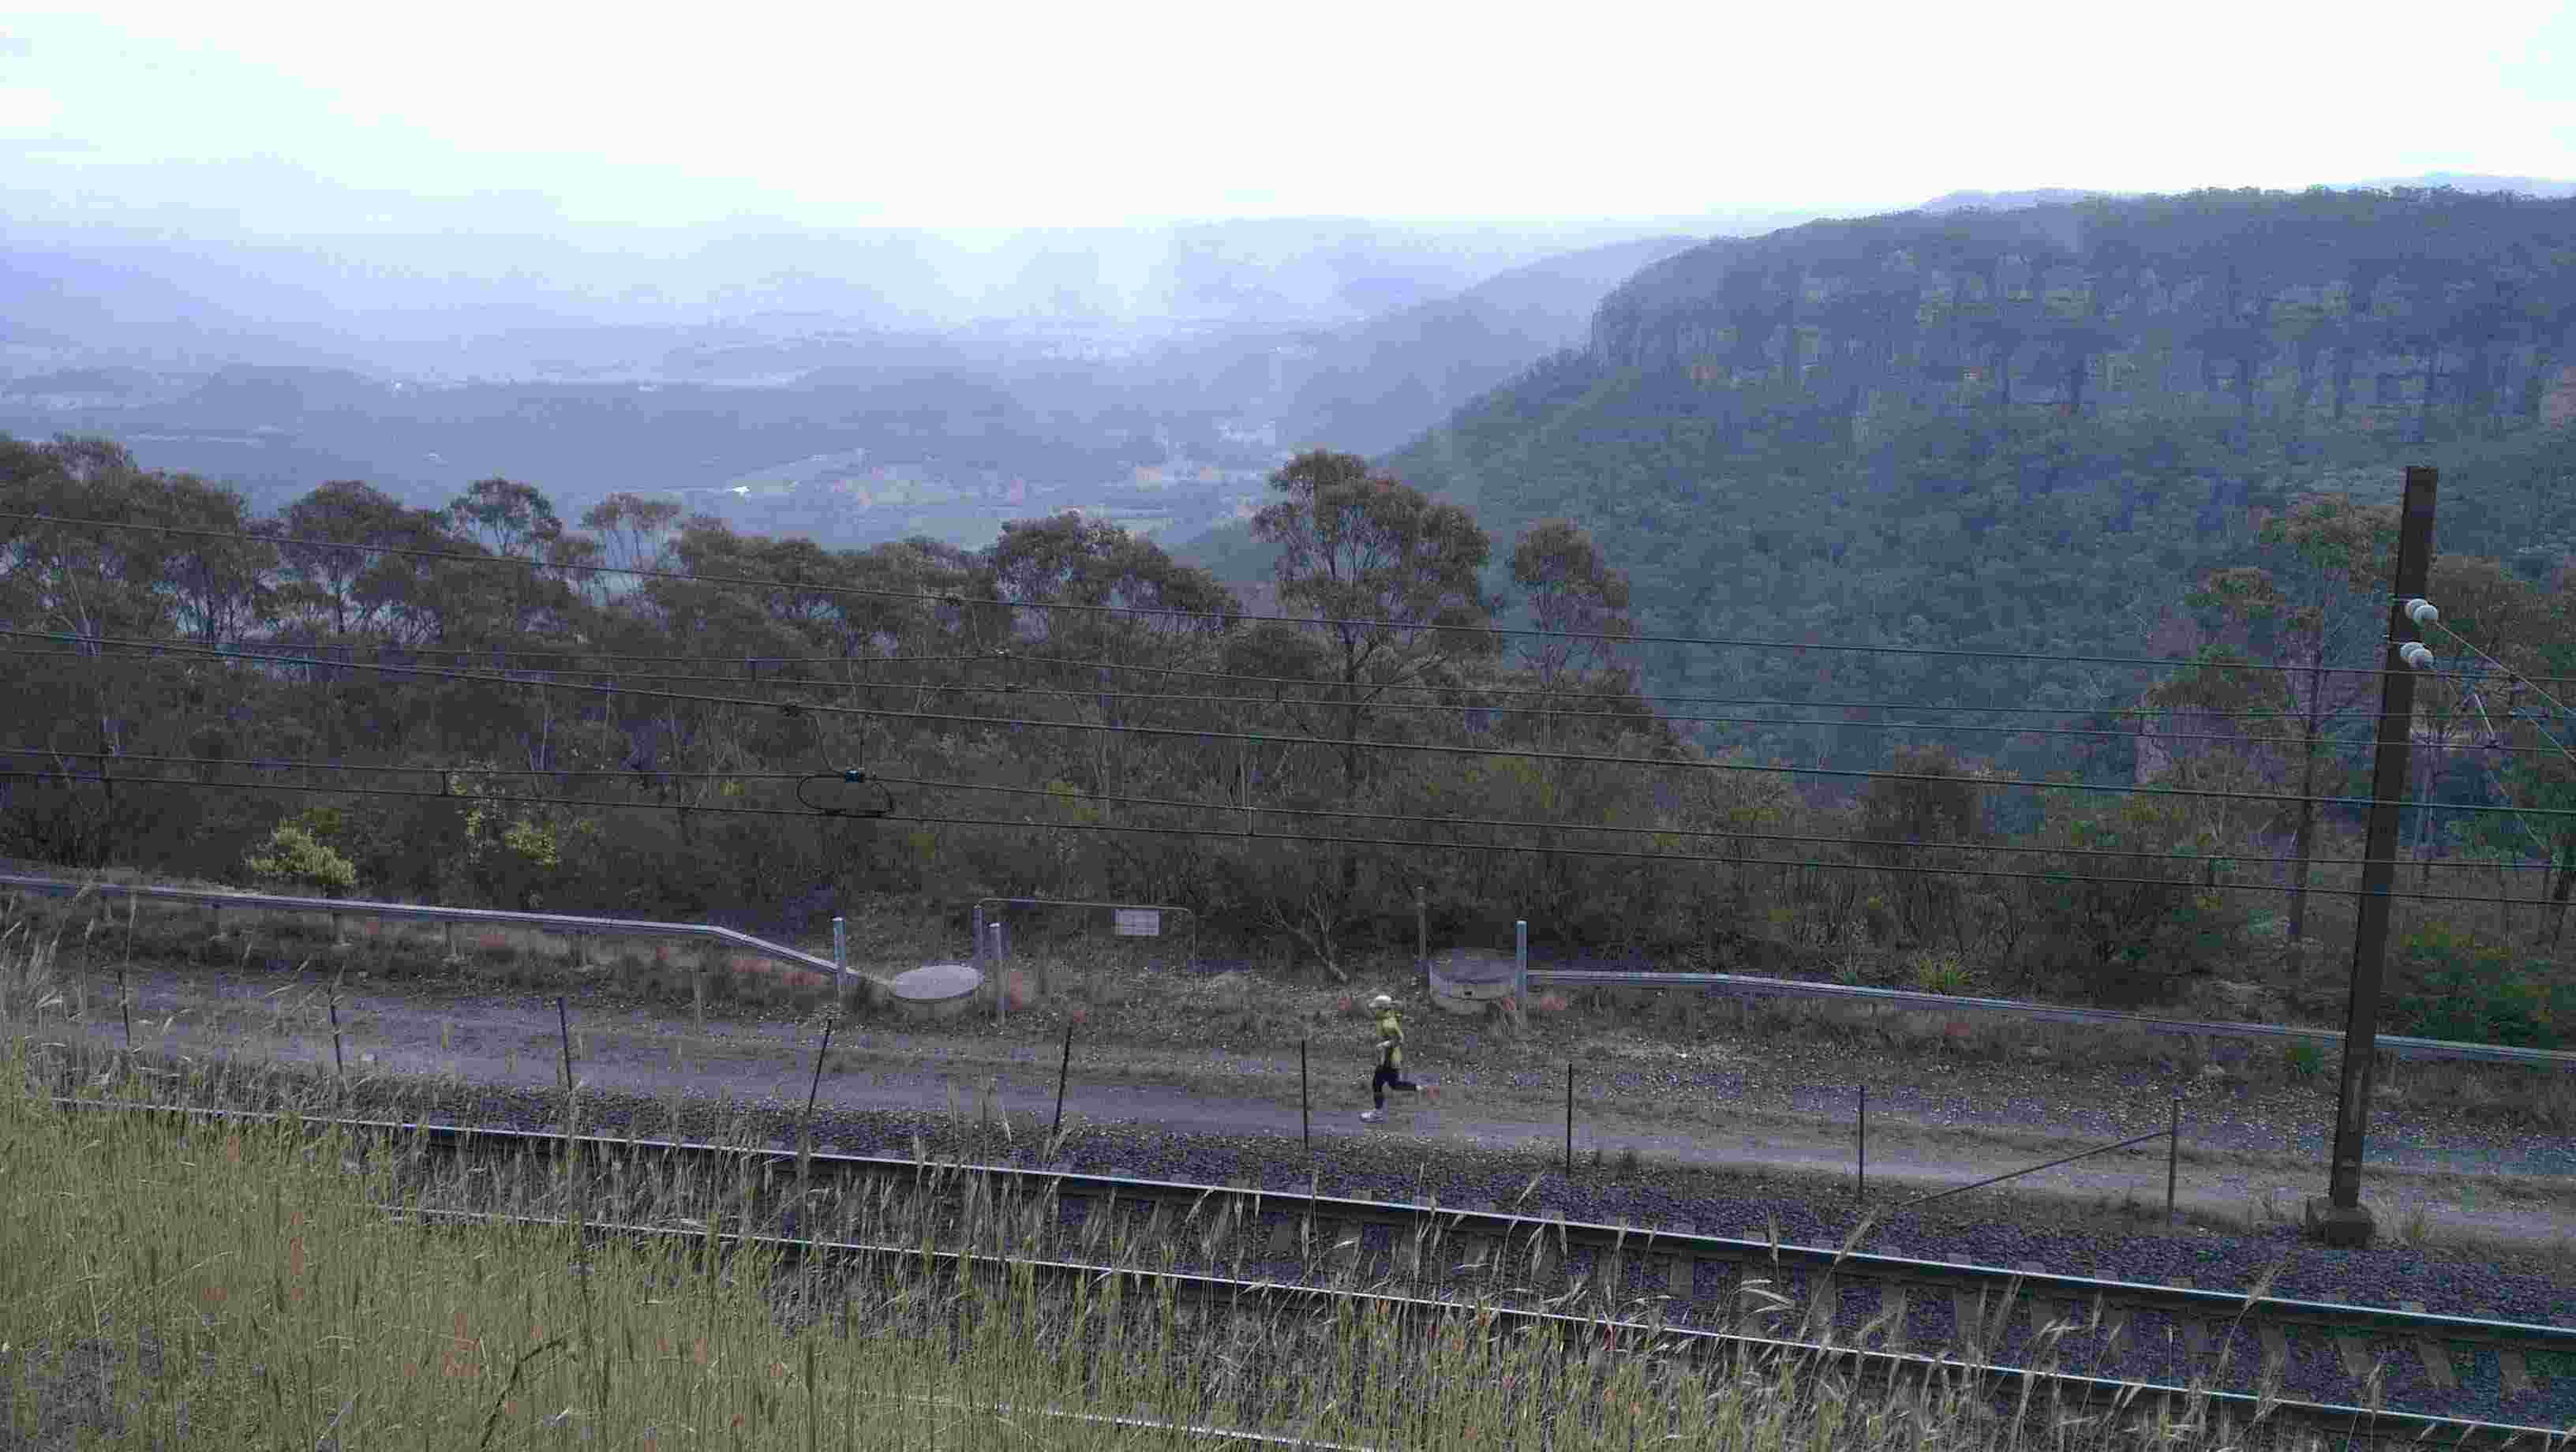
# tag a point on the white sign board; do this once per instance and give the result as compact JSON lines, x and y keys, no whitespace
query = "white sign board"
{"x":1138,"y":923}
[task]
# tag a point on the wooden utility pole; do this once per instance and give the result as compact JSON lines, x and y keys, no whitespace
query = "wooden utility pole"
{"x":2340,"y":1218}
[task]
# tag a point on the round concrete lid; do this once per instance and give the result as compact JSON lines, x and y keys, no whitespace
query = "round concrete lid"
{"x":932,"y":982}
{"x":1473,"y":965}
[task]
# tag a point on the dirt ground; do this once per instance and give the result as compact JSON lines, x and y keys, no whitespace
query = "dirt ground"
{"x":1683,"y":1083}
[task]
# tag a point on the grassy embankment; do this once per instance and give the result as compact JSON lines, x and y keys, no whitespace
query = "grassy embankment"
{"x":225,"y":1288}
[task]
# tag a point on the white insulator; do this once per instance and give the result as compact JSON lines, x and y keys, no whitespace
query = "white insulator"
{"x":2421,"y":611}
{"x":2416,"y":654}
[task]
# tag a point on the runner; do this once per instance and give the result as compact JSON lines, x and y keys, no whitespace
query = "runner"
{"x":1390,"y":1059}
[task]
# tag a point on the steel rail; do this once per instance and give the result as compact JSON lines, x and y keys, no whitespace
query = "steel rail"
{"x":2398,"y":1045}
{"x":1579,"y":1335}
{"x":564,"y":923}
{"x":2179,"y":1301}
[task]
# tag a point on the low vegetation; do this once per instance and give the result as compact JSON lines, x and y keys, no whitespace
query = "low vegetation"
{"x":223,"y":1286}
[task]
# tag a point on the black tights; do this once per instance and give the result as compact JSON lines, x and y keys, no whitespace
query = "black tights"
{"x":1387,"y":1078}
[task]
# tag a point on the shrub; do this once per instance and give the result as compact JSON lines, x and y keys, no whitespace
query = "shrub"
{"x":2456,"y":985}
{"x":1943,"y":973}
{"x":2305,"y":1060}
{"x":295,"y":857}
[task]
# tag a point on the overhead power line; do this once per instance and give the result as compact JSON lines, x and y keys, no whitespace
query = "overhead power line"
{"x":657,"y":776}
{"x":1465,"y":706}
{"x":1228,"y":618}
{"x":1301,"y":839}
{"x":1256,"y":738}
{"x":755,"y":661}
{"x":753,"y":668}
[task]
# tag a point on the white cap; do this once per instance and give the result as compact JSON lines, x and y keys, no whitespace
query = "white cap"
{"x":1381,"y":1001}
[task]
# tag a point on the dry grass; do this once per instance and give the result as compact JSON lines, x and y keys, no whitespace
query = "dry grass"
{"x":231,"y":1287}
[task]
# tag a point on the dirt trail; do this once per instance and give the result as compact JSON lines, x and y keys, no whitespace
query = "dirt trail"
{"x":512,"y":1040}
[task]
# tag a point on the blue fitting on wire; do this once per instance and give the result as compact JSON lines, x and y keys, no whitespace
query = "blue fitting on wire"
{"x":853,"y":774}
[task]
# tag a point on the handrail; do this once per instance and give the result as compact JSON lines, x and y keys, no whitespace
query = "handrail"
{"x":2398,"y":1045}
{"x":548,"y":922}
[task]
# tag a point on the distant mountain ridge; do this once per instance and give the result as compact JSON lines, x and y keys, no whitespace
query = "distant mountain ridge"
{"x":1376,"y":385}
{"x":2459,"y":181}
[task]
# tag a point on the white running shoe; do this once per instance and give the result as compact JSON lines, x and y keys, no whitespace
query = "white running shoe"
{"x":1372,"y":1115}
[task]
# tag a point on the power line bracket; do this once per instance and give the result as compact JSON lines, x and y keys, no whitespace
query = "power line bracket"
{"x":854,"y":774}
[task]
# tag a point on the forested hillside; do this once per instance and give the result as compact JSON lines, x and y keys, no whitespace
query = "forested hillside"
{"x":2030,"y":431}
{"x":457,"y":705}
{"x":2166,"y":430}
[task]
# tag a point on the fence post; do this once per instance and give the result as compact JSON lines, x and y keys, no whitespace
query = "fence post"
{"x":1863,"y":1191}
{"x":698,"y":988}
{"x":339,"y":1065}
{"x":813,"y":1091}
{"x":1063,"y":1072}
{"x":2173,"y":1156}
{"x":563,"y":1026}
{"x":1305,"y":1102}
{"x":976,"y":951}
{"x":1569,"y":1119}
{"x":1001,"y":980}
{"x":1421,"y":936}
{"x":841,"y":984}
{"x":1520,"y":961}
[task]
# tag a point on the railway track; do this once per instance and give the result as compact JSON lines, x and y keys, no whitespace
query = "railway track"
{"x":2457,"y":1378}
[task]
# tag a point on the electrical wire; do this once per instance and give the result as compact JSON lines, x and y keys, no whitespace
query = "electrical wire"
{"x":2516,"y":676}
{"x":1447,"y":706}
{"x":1228,"y":618}
{"x":754,"y":662}
{"x":656,"y":777}
{"x":1671,"y":696}
{"x":2061,"y":878}
{"x":1433,"y":748}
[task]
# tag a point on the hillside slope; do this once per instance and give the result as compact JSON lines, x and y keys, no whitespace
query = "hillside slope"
{"x":2027,"y":430}
{"x":1372,"y":387}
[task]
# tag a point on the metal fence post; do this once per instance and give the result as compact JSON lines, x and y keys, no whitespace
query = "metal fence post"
{"x":1064,"y":1072}
{"x":1001,"y":980}
{"x":1305,"y":1101}
{"x":1569,"y":1119}
{"x":563,"y":1027}
{"x":841,"y":962}
{"x":977,"y":949}
{"x":1863,"y":1191}
{"x":2173,"y":1157}
{"x":1421,"y":936}
{"x":1520,"y":961}
{"x":339,"y":1064}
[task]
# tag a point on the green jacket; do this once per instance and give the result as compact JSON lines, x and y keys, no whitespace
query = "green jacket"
{"x":1390,"y":1033}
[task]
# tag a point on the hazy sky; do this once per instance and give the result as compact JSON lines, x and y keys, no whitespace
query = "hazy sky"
{"x":552,"y":117}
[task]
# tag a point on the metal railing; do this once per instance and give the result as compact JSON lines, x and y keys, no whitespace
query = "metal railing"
{"x":2397,"y":1045}
{"x":843,"y":977}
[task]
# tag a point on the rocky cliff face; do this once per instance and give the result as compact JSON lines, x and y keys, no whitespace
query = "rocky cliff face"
{"x":2367,"y":307}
